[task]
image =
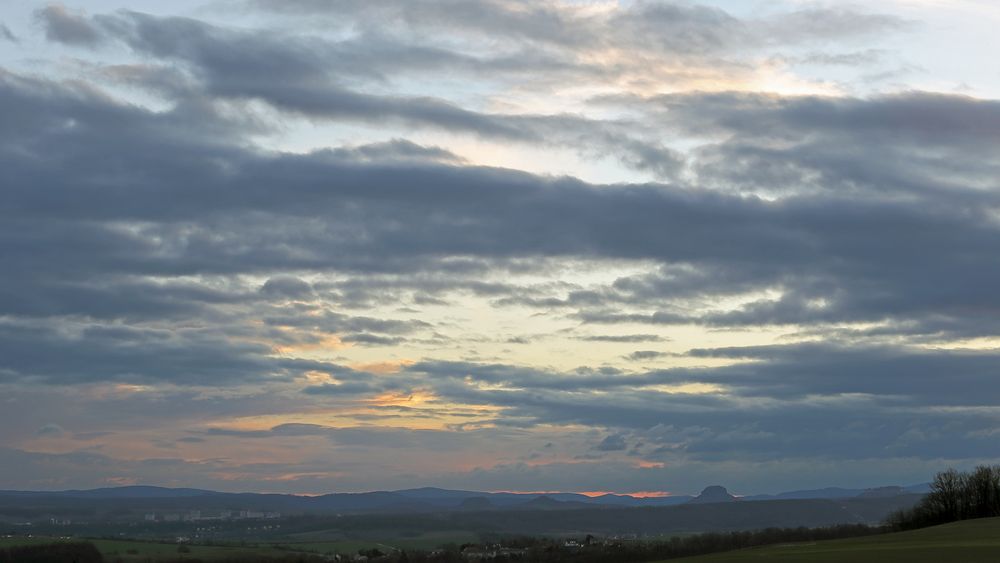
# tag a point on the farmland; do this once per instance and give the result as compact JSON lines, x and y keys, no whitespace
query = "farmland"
{"x":970,"y":541}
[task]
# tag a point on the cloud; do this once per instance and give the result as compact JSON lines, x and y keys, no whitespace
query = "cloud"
{"x":856,"y":58}
{"x":640,"y":355}
{"x":343,"y":389}
{"x":51,"y":431}
{"x":191,"y":440}
{"x":612,"y":443}
{"x":373,"y":339}
{"x":832,"y":258}
{"x":676,"y":28}
{"x":132,"y":354}
{"x":163,"y":260}
{"x":288,"y":287}
{"x":627,"y":338}
{"x":7,"y":34}
{"x":306,"y":83}
{"x":64,"y":26}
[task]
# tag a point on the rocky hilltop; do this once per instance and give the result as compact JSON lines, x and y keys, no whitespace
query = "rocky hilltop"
{"x":713,"y":494}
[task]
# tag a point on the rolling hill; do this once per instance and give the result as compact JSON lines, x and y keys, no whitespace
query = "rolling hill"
{"x":970,"y":541}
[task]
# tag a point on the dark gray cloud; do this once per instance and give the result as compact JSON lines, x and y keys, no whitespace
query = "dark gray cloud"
{"x":956,"y":377}
{"x":288,"y":287}
{"x":318,"y":79}
{"x":660,"y":27}
{"x":364,"y":436}
{"x":398,"y":150}
{"x":291,"y":74}
{"x":836,"y":259}
{"x":373,"y":339}
{"x":310,"y":78}
{"x":527,"y":21}
{"x":910,"y":143}
{"x":791,"y":401}
{"x":134,"y":354}
{"x":640,"y":355}
{"x":612,"y":443}
{"x":333,"y":322}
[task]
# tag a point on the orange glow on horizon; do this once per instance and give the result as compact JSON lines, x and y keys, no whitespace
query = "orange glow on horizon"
{"x":643,"y":464}
{"x":594,"y":494}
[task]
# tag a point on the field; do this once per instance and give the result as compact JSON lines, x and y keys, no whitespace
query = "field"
{"x":971,"y":541}
{"x":131,"y":550}
{"x":420,"y":542}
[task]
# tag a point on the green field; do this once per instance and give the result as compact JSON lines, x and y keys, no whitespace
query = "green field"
{"x":971,"y":541}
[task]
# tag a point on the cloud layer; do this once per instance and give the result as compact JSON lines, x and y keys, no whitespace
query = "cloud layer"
{"x":227,"y":244}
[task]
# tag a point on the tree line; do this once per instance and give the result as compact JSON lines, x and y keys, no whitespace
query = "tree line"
{"x":954,"y":496}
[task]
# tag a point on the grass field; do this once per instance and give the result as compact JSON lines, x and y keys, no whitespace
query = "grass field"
{"x":971,"y":541}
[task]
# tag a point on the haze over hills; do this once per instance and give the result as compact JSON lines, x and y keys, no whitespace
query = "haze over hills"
{"x":155,"y":513}
{"x":262,"y":517}
{"x":425,"y":499}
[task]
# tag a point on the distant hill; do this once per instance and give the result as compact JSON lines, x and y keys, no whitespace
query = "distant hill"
{"x":425,"y":493}
{"x":626,"y":500}
{"x":427,"y":499}
{"x":828,"y":492}
{"x":385,"y":513}
{"x":543,"y":503}
{"x":883,"y":492}
{"x":922,"y":488}
{"x":143,"y":491}
{"x":712,"y":495}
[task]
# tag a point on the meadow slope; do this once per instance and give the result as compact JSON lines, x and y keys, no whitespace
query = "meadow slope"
{"x":970,"y":541}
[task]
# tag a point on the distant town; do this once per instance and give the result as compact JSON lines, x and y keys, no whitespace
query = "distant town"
{"x":199,"y":516}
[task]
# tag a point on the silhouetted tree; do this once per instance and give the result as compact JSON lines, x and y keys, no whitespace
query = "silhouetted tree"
{"x":954,"y":496}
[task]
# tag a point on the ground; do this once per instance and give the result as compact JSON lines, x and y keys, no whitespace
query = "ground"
{"x":971,"y":541}
{"x":135,"y":550}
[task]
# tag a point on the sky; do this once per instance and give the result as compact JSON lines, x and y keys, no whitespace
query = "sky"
{"x":314,"y":246}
